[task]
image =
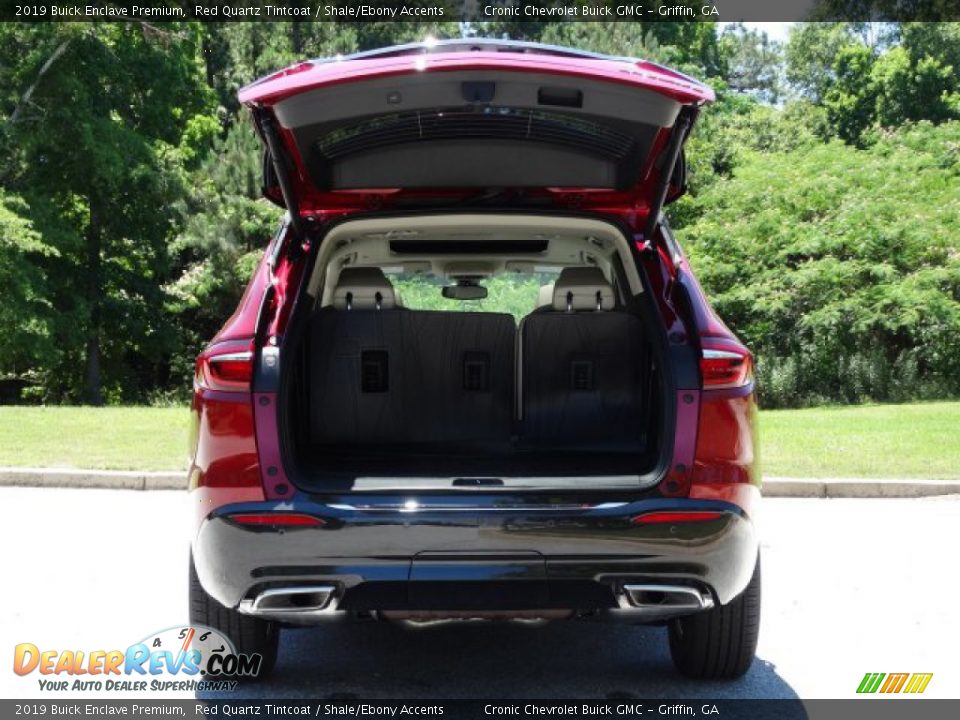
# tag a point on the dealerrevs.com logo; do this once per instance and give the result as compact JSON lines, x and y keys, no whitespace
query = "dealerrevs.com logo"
{"x":174,"y":659}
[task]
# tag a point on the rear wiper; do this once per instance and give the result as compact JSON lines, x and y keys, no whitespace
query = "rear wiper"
{"x":497,"y":196}
{"x":492,"y":194}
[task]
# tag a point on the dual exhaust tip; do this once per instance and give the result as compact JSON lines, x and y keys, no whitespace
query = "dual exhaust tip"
{"x":292,"y":603}
{"x":306,"y":603}
{"x":664,"y":601}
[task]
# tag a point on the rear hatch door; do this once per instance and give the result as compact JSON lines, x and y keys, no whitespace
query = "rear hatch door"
{"x":462,"y":118}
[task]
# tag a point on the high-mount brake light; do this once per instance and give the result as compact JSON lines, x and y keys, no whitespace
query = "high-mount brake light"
{"x":725,"y":369}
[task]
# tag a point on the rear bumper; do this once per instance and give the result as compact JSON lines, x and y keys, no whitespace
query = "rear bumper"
{"x":382,"y":555}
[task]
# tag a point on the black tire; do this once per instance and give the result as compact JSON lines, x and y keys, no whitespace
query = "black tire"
{"x":720,"y":643}
{"x":249,"y":634}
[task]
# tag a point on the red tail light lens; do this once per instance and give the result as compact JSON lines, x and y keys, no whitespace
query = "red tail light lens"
{"x":232,"y":367}
{"x":655,"y":518}
{"x":278,"y":519}
{"x":229,"y":371}
{"x":725,"y":369}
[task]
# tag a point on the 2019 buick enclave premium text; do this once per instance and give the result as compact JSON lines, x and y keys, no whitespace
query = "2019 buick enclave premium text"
{"x":380,"y":432}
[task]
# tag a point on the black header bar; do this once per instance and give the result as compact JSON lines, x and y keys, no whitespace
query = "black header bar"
{"x":476,"y":11}
{"x":80,"y":706}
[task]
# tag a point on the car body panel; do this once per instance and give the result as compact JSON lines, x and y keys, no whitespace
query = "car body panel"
{"x":565,"y":549}
{"x":375,"y":554}
{"x":622,"y":96}
{"x":445,"y":56}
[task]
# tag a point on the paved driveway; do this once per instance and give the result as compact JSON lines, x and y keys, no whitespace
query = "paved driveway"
{"x":850,"y":586}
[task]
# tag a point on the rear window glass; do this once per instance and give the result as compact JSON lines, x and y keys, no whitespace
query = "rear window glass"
{"x":515,"y":293}
{"x":501,"y":123}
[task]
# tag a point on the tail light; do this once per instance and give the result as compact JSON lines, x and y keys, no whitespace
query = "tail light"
{"x":672,"y":517}
{"x":277,"y":519}
{"x":725,"y":368}
{"x":227,"y":369}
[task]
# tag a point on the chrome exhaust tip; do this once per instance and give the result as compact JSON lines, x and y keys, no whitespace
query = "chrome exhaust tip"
{"x":291,"y":603}
{"x":664,"y":601}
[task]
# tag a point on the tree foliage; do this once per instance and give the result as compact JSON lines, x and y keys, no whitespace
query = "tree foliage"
{"x":25,"y":313}
{"x":840,"y":266}
{"x":99,"y":154}
{"x":822,"y":212}
{"x":869,"y":77}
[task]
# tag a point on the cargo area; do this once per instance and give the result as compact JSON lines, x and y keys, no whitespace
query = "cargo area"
{"x":387,"y":391}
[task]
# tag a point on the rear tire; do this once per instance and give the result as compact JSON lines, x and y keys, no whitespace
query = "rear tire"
{"x":249,"y":634}
{"x":720,"y":643}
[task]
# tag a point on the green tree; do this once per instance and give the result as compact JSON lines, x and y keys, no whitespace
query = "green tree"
{"x":691,"y":47}
{"x":850,"y":98}
{"x":224,"y":226}
{"x":812,"y":48}
{"x":101,"y":151}
{"x":25,"y":313}
{"x":840,"y":266}
{"x":866,"y":76}
{"x":918,"y":79}
{"x":753,"y":62}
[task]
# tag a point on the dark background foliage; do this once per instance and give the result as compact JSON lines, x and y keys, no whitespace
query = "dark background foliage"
{"x":823,"y":217}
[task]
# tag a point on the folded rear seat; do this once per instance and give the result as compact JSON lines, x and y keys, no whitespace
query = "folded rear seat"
{"x":584,"y":370}
{"x":385,"y":379}
{"x":459,"y":378}
{"x":353,"y":396}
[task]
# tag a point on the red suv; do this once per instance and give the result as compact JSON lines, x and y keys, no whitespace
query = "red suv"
{"x":474,"y":375}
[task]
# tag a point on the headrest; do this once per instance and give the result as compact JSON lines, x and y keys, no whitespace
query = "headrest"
{"x":363,"y":288}
{"x":545,"y":296}
{"x":582,"y":288}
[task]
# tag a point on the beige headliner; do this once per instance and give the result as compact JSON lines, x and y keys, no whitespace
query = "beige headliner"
{"x":366,"y":242}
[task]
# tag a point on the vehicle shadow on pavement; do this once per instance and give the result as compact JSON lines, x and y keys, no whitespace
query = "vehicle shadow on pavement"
{"x":382,"y":660}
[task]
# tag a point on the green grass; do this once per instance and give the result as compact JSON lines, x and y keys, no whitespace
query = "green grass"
{"x":863,"y":441}
{"x":906,"y":441}
{"x":111,"y":438}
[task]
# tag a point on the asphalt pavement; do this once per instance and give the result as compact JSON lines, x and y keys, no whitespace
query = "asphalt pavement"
{"x":849,"y":586}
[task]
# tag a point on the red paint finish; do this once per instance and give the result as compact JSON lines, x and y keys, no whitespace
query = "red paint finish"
{"x":746,"y":497}
{"x":308,"y":76}
{"x":677,"y":481}
{"x":236,"y":436}
{"x":242,"y":324}
{"x":286,"y":283}
{"x":236,"y":446}
{"x":337,"y":204}
{"x":725,"y":446}
{"x":660,"y":273}
{"x":275,"y":482}
{"x":725,"y":453}
{"x":640,"y":75}
{"x":708,"y":323}
{"x":224,"y":468}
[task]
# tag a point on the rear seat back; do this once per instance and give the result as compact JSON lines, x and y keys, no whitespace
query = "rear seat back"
{"x":353,"y":396}
{"x":584,"y":370}
{"x":460,"y":375}
{"x":383,"y":377}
